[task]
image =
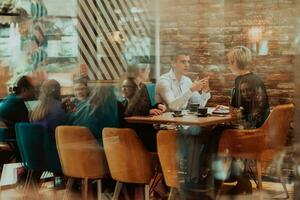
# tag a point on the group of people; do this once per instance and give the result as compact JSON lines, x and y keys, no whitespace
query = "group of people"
{"x":101,"y":108}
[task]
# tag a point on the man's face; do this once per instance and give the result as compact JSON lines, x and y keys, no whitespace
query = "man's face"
{"x":81,"y":91}
{"x":181,"y":64}
{"x":128,"y":89}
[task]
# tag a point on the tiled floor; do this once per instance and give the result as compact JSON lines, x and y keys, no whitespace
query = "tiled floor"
{"x":271,"y":191}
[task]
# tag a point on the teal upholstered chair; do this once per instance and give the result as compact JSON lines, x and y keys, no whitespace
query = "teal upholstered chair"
{"x":37,"y":148}
{"x":151,"y":92}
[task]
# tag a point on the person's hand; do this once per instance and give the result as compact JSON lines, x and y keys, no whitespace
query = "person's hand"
{"x":155,"y":111}
{"x":221,"y":107}
{"x":205,"y":84}
{"x":199,"y":85}
{"x":162,"y":107}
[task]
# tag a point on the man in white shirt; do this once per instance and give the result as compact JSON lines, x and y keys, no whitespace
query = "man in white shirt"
{"x":176,"y":90}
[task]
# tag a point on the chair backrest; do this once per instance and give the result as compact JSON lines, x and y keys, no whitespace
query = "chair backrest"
{"x":151,"y":92}
{"x":127,"y":158}
{"x":80,"y":154}
{"x":277,"y":126}
{"x":167,"y":147}
{"x":30,"y":141}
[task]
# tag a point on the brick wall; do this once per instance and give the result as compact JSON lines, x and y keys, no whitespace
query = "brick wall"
{"x":209,"y":28}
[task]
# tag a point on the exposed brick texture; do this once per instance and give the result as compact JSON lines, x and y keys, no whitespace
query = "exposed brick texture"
{"x":210,"y":28}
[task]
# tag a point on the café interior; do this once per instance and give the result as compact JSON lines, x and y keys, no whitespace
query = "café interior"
{"x":109,"y":99}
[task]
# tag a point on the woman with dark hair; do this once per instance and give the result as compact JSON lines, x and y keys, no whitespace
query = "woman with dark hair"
{"x":13,"y":108}
{"x":49,"y":111}
{"x":139,"y":103}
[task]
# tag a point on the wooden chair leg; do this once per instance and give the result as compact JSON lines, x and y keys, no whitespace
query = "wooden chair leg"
{"x":284,"y":188}
{"x":99,"y":189}
{"x":259,"y":175}
{"x":68,"y":188}
{"x":172,"y":193}
{"x":117,"y":190}
{"x":85,"y":189}
{"x":147,"y":192}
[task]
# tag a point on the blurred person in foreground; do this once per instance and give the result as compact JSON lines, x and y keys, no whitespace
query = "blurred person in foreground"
{"x":98,"y":112}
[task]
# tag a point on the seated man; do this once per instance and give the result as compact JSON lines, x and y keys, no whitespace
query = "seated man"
{"x":175,"y":89}
{"x":14,"y":110}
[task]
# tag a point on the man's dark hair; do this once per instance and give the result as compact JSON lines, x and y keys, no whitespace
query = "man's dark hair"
{"x":23,"y":83}
{"x":179,"y":52}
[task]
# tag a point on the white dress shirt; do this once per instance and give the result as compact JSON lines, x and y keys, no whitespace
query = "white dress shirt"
{"x":176,"y":94}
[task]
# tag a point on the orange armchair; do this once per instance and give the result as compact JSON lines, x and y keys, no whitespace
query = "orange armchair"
{"x":167,"y":146}
{"x":128,"y":159}
{"x":261,"y":144}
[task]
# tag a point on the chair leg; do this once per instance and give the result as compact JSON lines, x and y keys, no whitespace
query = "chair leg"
{"x":99,"y":189}
{"x":117,"y":190}
{"x":147,"y":192}
{"x":259,"y":178}
{"x":172,"y":193}
{"x":68,"y":188}
{"x":285,"y":189}
{"x":84,"y":191}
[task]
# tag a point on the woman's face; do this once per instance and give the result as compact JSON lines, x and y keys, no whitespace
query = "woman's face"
{"x":246,"y":92}
{"x":128,"y":89}
{"x":232,"y":66}
{"x":144,"y":74}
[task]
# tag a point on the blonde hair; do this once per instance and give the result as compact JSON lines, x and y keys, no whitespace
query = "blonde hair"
{"x":50,"y":91}
{"x":241,"y":55}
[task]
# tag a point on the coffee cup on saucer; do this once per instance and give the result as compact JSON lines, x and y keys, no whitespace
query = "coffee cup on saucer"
{"x":202,"y":111}
{"x":193,"y":107}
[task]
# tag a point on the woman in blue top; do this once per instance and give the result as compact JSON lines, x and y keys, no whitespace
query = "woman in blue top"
{"x":49,"y":110}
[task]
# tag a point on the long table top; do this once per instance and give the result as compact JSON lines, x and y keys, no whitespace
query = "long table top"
{"x":186,"y":119}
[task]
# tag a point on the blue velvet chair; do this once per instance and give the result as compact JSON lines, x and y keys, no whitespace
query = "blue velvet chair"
{"x":151,"y":92}
{"x":37,"y":148}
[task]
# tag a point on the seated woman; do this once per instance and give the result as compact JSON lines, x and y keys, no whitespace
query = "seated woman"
{"x":100,"y":110}
{"x":49,"y":113}
{"x":49,"y":110}
{"x":249,"y":94}
{"x":139,"y":103}
{"x":249,"y":91}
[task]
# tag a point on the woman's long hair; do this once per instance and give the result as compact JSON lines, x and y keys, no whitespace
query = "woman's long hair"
{"x":50,"y":91}
{"x":100,"y":96}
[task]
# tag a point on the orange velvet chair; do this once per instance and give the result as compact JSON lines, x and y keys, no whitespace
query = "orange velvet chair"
{"x":128,"y":160}
{"x":81,"y":156}
{"x":167,"y":145}
{"x":261,"y":144}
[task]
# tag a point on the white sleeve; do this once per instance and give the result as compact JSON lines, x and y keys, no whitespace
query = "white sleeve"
{"x":165,"y":92}
{"x":200,"y":98}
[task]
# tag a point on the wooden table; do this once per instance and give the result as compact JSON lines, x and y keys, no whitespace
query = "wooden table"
{"x":186,"y":119}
